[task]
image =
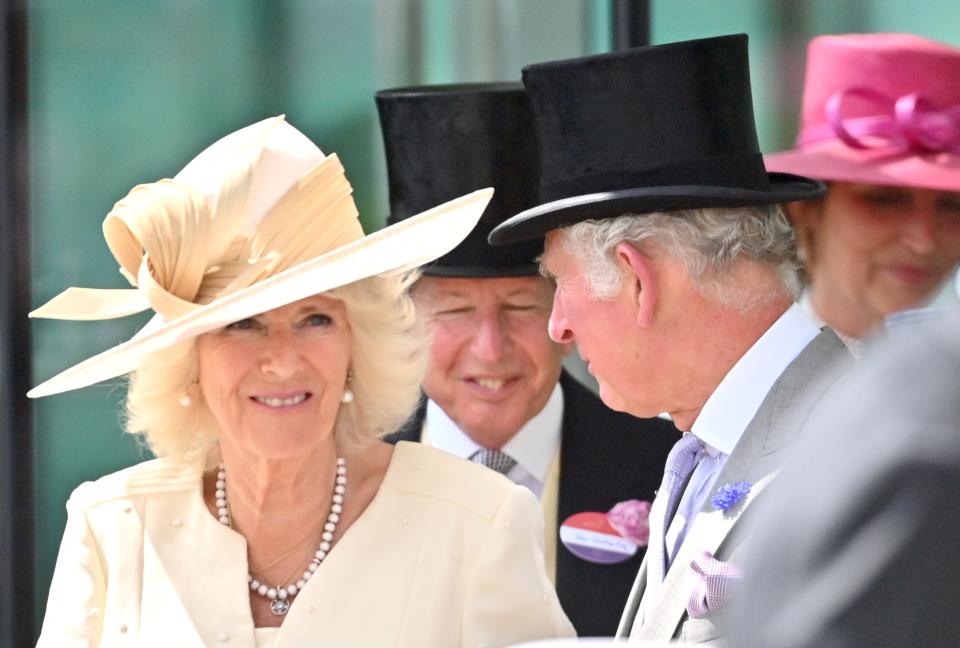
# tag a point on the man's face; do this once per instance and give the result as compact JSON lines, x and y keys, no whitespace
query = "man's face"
{"x":603,"y":330}
{"x":492,"y":366}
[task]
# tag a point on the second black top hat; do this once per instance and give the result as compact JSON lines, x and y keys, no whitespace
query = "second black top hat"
{"x":659,"y":128}
{"x":444,"y":141}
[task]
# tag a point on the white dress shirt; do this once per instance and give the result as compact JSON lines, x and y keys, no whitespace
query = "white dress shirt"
{"x":732,"y":405}
{"x":533,"y":447}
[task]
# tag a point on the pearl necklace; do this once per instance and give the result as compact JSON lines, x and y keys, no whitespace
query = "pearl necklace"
{"x":281,"y":596}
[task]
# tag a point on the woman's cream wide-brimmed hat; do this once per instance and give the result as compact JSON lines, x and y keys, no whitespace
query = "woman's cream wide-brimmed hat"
{"x":260,"y":219}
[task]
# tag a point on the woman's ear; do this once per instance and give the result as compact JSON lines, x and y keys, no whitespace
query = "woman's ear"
{"x":640,"y":283}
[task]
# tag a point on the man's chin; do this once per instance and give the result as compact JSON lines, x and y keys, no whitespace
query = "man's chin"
{"x":491,"y":437}
{"x":615,"y":401}
{"x":611,"y":398}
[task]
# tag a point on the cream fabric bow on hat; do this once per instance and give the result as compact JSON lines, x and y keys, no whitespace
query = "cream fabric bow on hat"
{"x":181,"y":251}
{"x":258,"y":220}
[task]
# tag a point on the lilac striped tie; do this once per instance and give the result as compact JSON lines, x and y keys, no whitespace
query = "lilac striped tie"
{"x":680,"y":463}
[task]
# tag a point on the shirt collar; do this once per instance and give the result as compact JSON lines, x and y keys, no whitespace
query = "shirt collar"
{"x":735,"y":401}
{"x":854,"y":345}
{"x":533,"y":447}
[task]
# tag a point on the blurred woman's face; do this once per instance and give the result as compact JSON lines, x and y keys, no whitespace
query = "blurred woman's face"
{"x":274,"y":381}
{"x":872,"y":250}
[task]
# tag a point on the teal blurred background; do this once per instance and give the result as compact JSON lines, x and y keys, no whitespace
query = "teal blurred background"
{"x":127,"y":91}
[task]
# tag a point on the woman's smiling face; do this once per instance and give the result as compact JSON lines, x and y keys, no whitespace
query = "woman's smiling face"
{"x":274,"y":381}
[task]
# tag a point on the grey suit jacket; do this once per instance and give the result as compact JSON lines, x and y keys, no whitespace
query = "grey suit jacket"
{"x":857,"y":542}
{"x":756,"y":459}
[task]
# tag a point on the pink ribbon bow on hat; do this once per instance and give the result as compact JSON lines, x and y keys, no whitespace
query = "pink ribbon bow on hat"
{"x":714,"y":584}
{"x":909,"y":123}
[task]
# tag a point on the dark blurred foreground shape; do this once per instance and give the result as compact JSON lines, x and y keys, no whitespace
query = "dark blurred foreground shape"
{"x":859,"y":544}
{"x":16,"y":456}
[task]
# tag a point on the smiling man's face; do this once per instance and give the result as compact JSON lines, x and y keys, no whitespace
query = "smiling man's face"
{"x":492,"y":365}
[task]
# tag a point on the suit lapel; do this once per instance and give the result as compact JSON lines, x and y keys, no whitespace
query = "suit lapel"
{"x":581,"y":487}
{"x":183,"y":542}
{"x":410,"y":431}
{"x":634,"y":605}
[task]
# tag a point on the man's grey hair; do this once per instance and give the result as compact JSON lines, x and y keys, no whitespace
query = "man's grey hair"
{"x":708,"y":242}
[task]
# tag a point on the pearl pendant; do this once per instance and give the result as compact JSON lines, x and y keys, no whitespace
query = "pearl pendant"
{"x":279,"y":606}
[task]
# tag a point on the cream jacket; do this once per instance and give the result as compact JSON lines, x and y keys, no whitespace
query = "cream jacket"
{"x":448,"y":553}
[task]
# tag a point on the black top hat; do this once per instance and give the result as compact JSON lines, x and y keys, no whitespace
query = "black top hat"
{"x":656,"y":128}
{"x":445,"y":141}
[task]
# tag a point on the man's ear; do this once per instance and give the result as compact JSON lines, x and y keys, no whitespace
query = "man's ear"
{"x":639,"y":281}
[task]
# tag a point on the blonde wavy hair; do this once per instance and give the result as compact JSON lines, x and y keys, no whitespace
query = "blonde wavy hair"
{"x":388,"y":358}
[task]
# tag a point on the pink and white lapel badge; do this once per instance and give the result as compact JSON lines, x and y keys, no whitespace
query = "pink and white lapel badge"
{"x":608,"y":538}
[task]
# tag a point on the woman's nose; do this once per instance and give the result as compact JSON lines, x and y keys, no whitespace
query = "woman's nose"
{"x":279,"y":356}
{"x":920,"y":230}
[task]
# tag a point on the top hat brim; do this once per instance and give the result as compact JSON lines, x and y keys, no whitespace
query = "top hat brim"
{"x":536,"y":222}
{"x":400,"y":247}
{"x":481,"y":271}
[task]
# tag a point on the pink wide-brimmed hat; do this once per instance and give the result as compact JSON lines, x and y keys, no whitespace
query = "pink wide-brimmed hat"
{"x":879,"y":109}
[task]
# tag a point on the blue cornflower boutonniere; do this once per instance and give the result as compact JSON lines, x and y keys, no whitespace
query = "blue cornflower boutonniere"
{"x":730,"y":496}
